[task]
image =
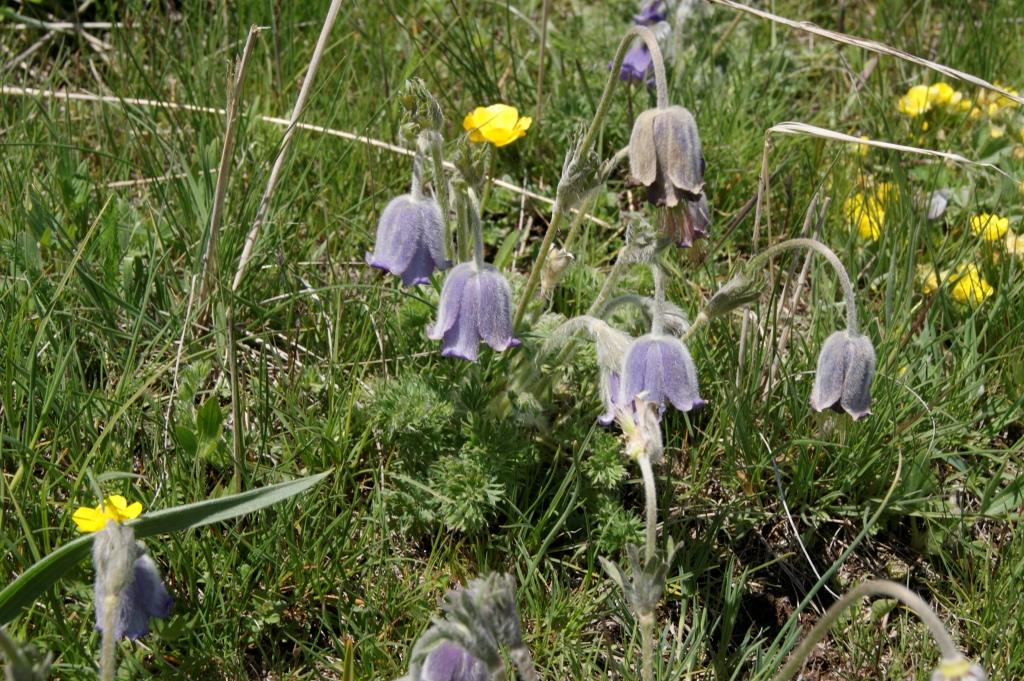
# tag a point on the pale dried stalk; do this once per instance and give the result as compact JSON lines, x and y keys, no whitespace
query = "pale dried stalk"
{"x":275,"y":171}
{"x":15,"y":91}
{"x":870,"y":46}
{"x":208,"y":266}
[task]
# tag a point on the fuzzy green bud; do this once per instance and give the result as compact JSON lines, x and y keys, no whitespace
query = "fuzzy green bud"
{"x":739,"y":291}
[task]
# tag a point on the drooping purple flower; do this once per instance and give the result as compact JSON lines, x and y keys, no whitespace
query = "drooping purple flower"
{"x":685,"y":222}
{"x":451,"y":662}
{"x":659,"y":369}
{"x":636,"y":65}
{"x":138,"y":591}
{"x":476,"y":304}
{"x":651,"y":13}
{"x":846,"y":367}
{"x":410,"y":239}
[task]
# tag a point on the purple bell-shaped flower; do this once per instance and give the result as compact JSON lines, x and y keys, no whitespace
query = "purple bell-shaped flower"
{"x":476,"y":304}
{"x":410,"y":239}
{"x":126,"y":574}
{"x":659,"y":369}
{"x":451,"y":662}
{"x":846,"y":367}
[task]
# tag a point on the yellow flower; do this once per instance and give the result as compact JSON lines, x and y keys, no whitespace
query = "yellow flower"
{"x":114,"y":507}
{"x":929,"y":279}
{"x":996,"y":131}
{"x":989,"y":227}
{"x":943,"y":95}
{"x":499,"y":124}
{"x":867,"y":213}
{"x":887,"y":191}
{"x":915,"y":102}
{"x":969,"y":287}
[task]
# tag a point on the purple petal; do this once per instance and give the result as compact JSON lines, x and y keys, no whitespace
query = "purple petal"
{"x":636,"y":63}
{"x":651,"y":13}
{"x":410,"y":239}
{"x":462,"y":339}
{"x":828,"y":379}
{"x":451,"y":662}
{"x":451,"y":299}
{"x":680,"y":377}
{"x":495,"y":310}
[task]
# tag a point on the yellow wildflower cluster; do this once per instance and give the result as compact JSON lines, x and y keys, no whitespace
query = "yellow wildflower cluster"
{"x":920,"y":99}
{"x":992,"y":103}
{"x":989,"y":227}
{"x":966,"y":285}
{"x":114,"y":507}
{"x":866,"y":209}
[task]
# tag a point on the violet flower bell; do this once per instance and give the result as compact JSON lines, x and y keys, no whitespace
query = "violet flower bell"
{"x":410,"y":239}
{"x":665,"y":156}
{"x":659,"y":369}
{"x":636,"y":65}
{"x":846,"y":366}
{"x":476,"y":304}
{"x":128,"y":580}
{"x":451,"y":662}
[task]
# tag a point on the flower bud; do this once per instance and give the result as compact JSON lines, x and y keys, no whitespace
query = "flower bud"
{"x":842,"y":382}
{"x":555,"y":265}
{"x":665,"y":156}
{"x":739,"y":291}
{"x":410,"y":239}
{"x":421,"y":110}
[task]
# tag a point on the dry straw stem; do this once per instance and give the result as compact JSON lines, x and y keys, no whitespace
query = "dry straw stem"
{"x":208,"y":266}
{"x":871,"y":46}
{"x":275,"y":171}
{"x":14,"y":91}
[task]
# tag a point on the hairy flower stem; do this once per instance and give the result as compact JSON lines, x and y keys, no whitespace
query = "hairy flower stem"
{"x":647,"y":618}
{"x":596,"y":308}
{"x":473,"y":209}
{"x":658,"y":313}
{"x":559,"y":209}
{"x":492,"y":158}
{"x":833,"y":260}
{"x":108,"y":642}
{"x":417,"y":174}
{"x":871,"y":588}
{"x":435,"y":144}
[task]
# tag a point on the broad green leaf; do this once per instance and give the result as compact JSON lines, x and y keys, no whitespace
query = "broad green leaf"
{"x":45,"y":573}
{"x":208,"y":420}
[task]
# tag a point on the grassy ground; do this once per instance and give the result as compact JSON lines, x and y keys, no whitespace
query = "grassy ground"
{"x":431,"y":486}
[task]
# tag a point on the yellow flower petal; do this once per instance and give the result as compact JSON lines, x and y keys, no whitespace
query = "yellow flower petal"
{"x":498,"y":124}
{"x":89,"y":519}
{"x":916,"y":102}
{"x":969,"y":287}
{"x":989,"y":227}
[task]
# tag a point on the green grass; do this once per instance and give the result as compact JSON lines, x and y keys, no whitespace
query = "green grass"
{"x":432,"y":487}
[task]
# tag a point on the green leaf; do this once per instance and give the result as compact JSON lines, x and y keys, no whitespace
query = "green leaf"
{"x":208,"y":420}
{"x":45,"y":573}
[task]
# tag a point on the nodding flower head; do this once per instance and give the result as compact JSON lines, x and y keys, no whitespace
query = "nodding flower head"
{"x":846,"y":366}
{"x":451,"y":662}
{"x":410,"y":239}
{"x":959,"y":669}
{"x":126,"y":579}
{"x":651,"y":13}
{"x":659,"y":369}
{"x":476,"y":304}
{"x":665,"y":156}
